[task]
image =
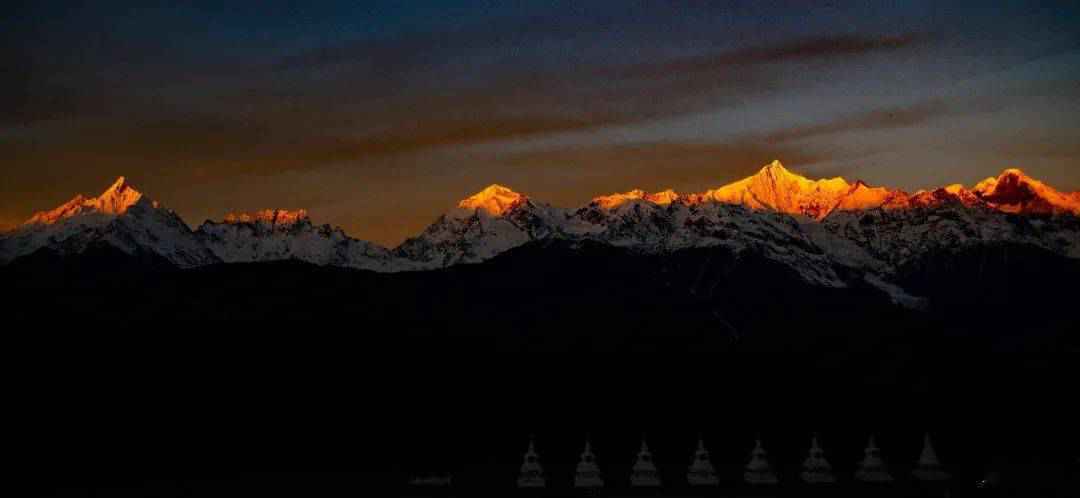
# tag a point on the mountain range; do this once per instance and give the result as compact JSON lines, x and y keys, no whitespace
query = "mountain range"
{"x":825,"y":230}
{"x":774,"y":261}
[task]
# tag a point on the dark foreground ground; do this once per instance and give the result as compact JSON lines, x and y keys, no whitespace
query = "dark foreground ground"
{"x":126,"y":379}
{"x":190,"y":416}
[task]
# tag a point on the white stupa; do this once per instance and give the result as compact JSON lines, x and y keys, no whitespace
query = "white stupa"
{"x":816,"y":470}
{"x":588,"y":472}
{"x":644,"y":474}
{"x":872,"y":468}
{"x":758,"y":471}
{"x":929,"y":467}
{"x":701,"y":472}
{"x":531,"y":474}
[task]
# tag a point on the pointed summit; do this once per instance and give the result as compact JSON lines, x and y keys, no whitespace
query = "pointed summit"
{"x":119,"y":185}
{"x":115,"y":200}
{"x":118,"y":197}
{"x":774,"y":188}
{"x":121,"y":217}
{"x":775,"y":168}
{"x":494,"y":200}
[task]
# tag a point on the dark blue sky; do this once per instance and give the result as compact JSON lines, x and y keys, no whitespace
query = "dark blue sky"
{"x":379,"y":115}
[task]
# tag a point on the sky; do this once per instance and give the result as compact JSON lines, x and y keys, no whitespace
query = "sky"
{"x":378,"y":116}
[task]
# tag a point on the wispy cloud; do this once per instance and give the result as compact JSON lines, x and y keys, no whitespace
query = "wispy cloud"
{"x":875,"y":119}
{"x":821,"y":47}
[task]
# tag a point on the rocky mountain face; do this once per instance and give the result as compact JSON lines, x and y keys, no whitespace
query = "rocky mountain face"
{"x":274,"y":235}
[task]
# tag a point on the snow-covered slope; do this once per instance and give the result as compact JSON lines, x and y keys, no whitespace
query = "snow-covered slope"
{"x":636,"y":221}
{"x":948,"y":221}
{"x":121,"y":217}
{"x":273,"y":235}
{"x":482,"y":226}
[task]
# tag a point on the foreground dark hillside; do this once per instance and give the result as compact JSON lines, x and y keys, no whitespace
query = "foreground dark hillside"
{"x":551,"y":296}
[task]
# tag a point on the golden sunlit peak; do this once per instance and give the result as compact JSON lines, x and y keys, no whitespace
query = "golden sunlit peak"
{"x":614,"y":200}
{"x":954,"y":189}
{"x":494,"y":200}
{"x":119,"y":184}
{"x":775,"y":165}
{"x":1013,"y":191}
{"x":776,"y":171}
{"x":115,"y":200}
{"x":271,"y":216}
{"x":664,"y":197}
{"x":776,"y":188}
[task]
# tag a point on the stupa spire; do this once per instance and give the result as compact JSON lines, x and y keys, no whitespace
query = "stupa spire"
{"x":587,"y":474}
{"x":816,"y":469}
{"x":531,"y":474}
{"x":758,"y":470}
{"x":929,"y":468}
{"x":644,"y":473}
{"x":872,"y":468}
{"x":701,"y":472}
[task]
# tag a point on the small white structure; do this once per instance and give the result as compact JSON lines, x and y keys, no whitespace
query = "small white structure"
{"x":588,"y":472}
{"x":531,"y":474}
{"x":872,"y":468}
{"x":701,"y":472}
{"x":758,"y":471}
{"x":929,"y":467}
{"x":816,"y":470}
{"x":644,"y":474}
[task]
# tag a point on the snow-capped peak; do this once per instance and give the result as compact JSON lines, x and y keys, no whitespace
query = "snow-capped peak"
{"x":775,"y":188}
{"x":776,"y":169}
{"x":1013,"y":191}
{"x":495,"y":200}
{"x":115,"y":200}
{"x":118,"y":197}
{"x":121,"y":217}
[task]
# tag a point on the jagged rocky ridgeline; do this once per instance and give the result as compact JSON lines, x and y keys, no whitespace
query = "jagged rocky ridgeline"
{"x":828,"y":231}
{"x":758,"y":471}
